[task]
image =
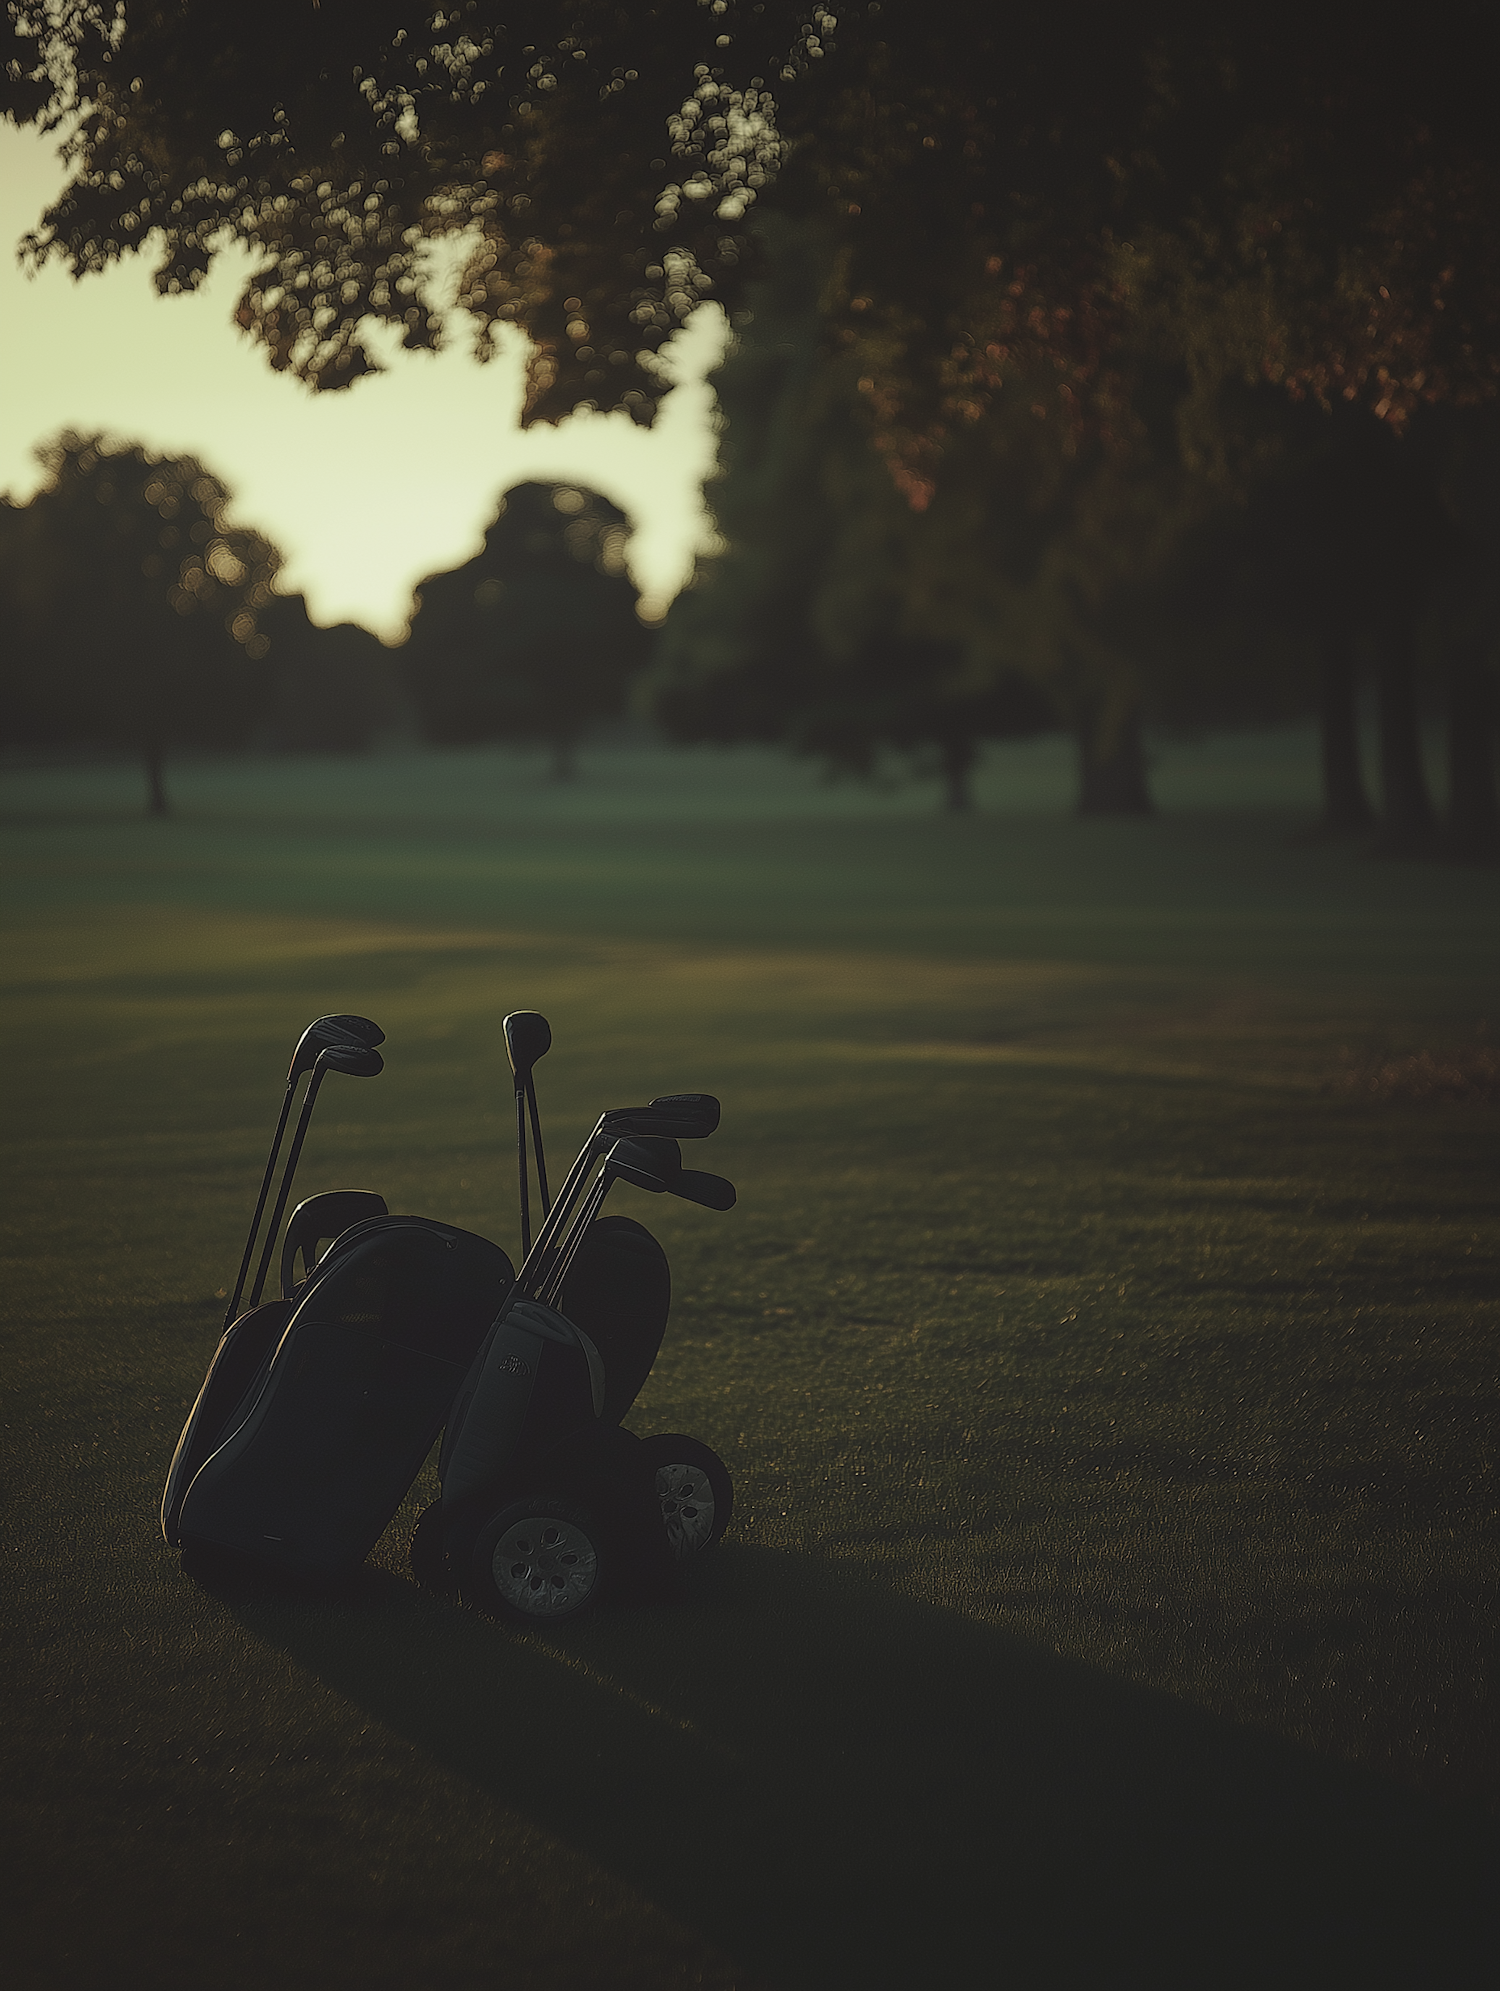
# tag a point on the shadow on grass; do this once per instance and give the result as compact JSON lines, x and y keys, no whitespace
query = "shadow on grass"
{"x":839,"y":1787}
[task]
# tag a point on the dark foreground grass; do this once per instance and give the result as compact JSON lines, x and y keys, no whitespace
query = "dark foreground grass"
{"x":1107,"y":1369}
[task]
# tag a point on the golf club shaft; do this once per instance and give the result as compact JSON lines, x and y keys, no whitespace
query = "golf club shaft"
{"x":536,"y":1143}
{"x":265,"y":1190}
{"x":286,"y":1183}
{"x":557,"y":1275}
{"x":534,"y":1265}
{"x":525,"y":1187}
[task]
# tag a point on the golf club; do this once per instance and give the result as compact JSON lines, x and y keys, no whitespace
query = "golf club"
{"x":687,"y":1116}
{"x":682,"y":1116}
{"x":653,"y":1163}
{"x":318,"y":1035}
{"x":359,"y":1061}
{"x":528,"y":1036}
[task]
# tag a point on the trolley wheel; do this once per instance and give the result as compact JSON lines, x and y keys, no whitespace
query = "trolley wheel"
{"x":539,"y":1560}
{"x":427,"y":1554}
{"x":694,"y":1490}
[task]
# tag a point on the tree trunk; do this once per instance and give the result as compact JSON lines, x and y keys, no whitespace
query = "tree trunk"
{"x":564,"y":759}
{"x":1408,"y":826}
{"x":156,"y":787}
{"x":959,"y":757}
{"x":1346,"y":806}
{"x":1112,"y":764}
{"x":1473,"y":812}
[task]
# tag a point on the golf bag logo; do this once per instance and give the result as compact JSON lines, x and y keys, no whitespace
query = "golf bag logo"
{"x":514,"y":1366}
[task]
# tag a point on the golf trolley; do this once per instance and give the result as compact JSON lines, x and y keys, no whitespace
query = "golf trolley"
{"x":320,"y":1406}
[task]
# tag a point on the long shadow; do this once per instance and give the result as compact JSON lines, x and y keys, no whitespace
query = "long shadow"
{"x":842,"y":1788}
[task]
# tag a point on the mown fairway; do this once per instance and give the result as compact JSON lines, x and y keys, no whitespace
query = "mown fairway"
{"x":1109,"y":1383}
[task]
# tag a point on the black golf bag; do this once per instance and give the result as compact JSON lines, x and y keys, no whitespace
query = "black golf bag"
{"x":319,"y":1408}
{"x":547,"y":1501}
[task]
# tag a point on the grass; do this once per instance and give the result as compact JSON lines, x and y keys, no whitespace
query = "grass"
{"x":1104,"y":1350}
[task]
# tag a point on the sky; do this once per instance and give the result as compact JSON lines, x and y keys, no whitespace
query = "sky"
{"x":365,"y":490}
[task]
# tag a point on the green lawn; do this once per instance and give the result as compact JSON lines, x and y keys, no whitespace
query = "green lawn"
{"x":1104,"y":1348}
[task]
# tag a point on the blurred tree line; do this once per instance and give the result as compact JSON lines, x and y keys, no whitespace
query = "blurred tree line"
{"x":1175,"y":331}
{"x":138,"y":616}
{"x":1221,"y":559}
{"x":1339,"y":571}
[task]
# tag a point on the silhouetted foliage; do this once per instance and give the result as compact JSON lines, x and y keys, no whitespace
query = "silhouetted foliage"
{"x":1362,"y":567}
{"x":1461,"y":448}
{"x":1219,"y":563}
{"x":536,"y":638}
{"x":1281,"y":193}
{"x":138,"y":602}
{"x":330,"y":690}
{"x":1029,"y":211}
{"x":815,"y":626}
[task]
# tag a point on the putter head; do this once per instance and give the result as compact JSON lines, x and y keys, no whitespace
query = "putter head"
{"x":678,"y":1116}
{"x":328,"y":1031}
{"x":528,"y":1036}
{"x":358,"y":1060}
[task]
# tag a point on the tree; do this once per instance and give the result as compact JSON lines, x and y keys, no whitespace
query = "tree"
{"x":1043,"y":583}
{"x":822,"y":625}
{"x":1005,"y":189}
{"x":1461,"y":449}
{"x":537,"y":637}
{"x":1019,"y":203}
{"x":595,"y":166}
{"x":140,"y":600}
{"x":329,"y":690}
{"x":1345,"y":546}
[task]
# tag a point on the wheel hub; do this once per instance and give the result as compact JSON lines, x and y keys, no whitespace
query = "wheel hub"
{"x":687,"y":1507}
{"x":545,"y":1566}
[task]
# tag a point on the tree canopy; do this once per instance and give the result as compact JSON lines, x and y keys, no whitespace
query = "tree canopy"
{"x":833,"y":620}
{"x":1307,"y":196}
{"x":536,"y":638}
{"x":132,"y":604}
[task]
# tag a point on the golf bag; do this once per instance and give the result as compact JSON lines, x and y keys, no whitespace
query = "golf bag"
{"x":544,"y":1398}
{"x":319,"y":1408}
{"x":547,"y":1501}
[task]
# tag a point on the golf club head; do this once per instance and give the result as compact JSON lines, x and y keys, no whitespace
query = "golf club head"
{"x":695,"y":1185}
{"x":358,"y":1060}
{"x":662,"y":1156}
{"x":528,"y":1036}
{"x":632,"y":1163}
{"x":329,"y":1030}
{"x":679,"y":1116}
{"x":698,"y":1112}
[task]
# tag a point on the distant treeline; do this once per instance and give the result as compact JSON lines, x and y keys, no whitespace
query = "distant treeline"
{"x":1215,"y":561}
{"x":138,"y":617}
{"x":1098,"y":591}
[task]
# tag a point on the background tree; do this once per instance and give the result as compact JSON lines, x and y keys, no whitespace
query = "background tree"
{"x":1019,"y":204}
{"x":1045,"y":581}
{"x":536,"y":638}
{"x":328,"y":690}
{"x":28,"y":717}
{"x":1004,"y":188}
{"x":820,"y":625}
{"x":1462,"y":450}
{"x":140,"y":599}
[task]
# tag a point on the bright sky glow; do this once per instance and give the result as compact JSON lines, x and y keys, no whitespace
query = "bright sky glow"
{"x":365,"y":491}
